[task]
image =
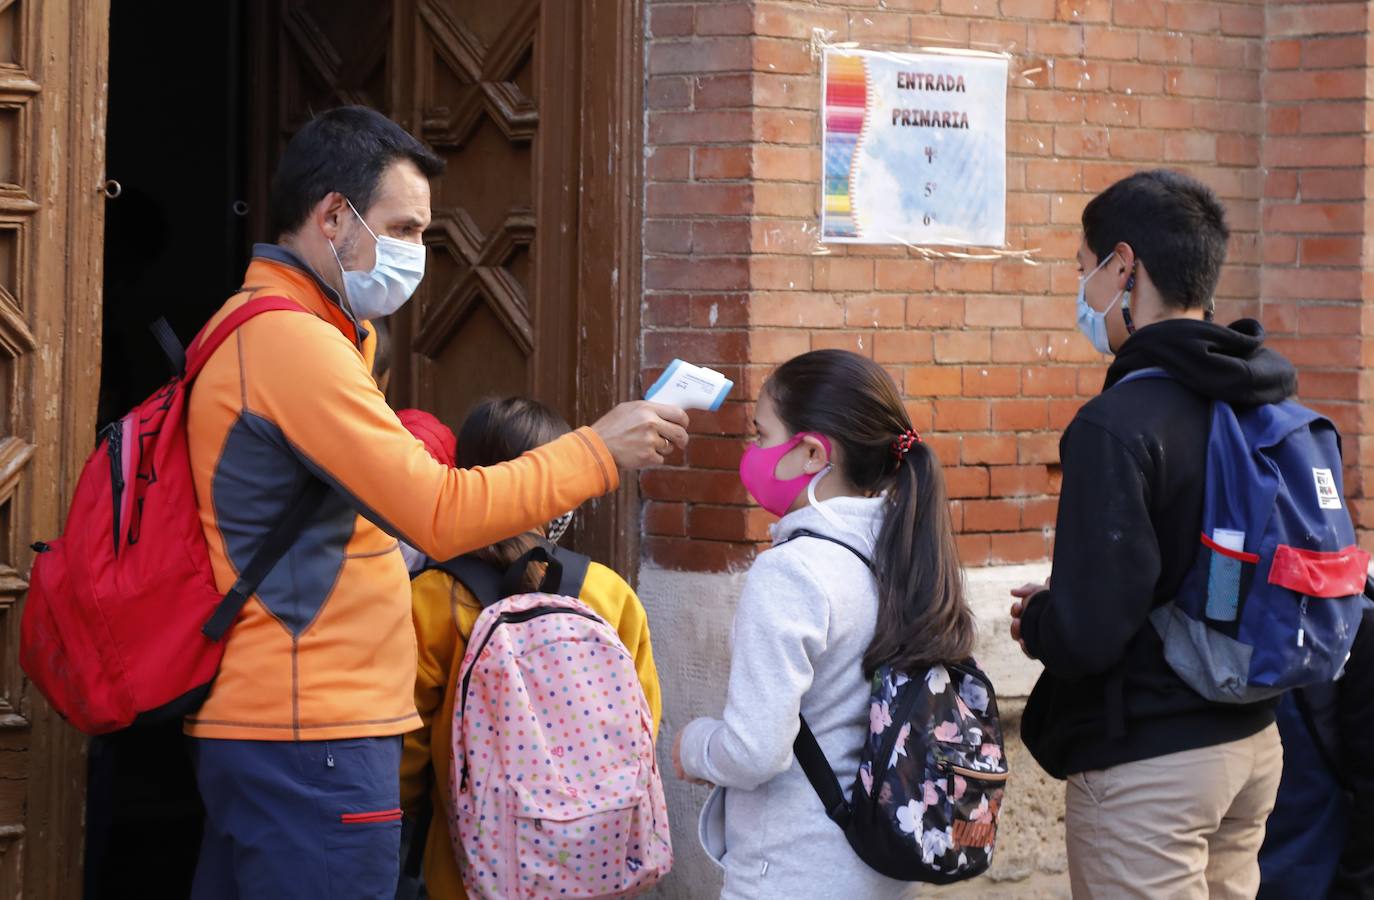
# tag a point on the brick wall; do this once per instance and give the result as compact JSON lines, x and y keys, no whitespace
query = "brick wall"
{"x":986,"y":352}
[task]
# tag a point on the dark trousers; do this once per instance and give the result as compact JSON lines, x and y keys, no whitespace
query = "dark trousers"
{"x":299,"y":819}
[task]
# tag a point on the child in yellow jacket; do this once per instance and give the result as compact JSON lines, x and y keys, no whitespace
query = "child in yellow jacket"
{"x":444,"y":612}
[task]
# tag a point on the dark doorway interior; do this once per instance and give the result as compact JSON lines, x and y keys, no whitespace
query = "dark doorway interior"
{"x":175,"y":246}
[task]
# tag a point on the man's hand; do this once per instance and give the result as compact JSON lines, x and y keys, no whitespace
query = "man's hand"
{"x":640,"y":433}
{"x":1023,"y":594}
{"x":677,"y":763}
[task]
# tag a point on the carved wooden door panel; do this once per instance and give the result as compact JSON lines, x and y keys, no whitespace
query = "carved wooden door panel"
{"x":534,"y":104}
{"x":53,"y":58}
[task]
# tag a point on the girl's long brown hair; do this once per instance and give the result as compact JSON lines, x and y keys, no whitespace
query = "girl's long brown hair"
{"x":496,"y":431}
{"x":923,"y":617}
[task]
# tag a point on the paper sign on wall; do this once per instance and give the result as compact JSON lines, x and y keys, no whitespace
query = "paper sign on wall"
{"x":915,"y":148}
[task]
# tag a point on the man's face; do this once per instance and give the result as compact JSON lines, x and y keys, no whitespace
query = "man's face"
{"x":400,"y":209}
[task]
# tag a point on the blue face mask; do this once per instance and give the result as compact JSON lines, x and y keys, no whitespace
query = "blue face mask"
{"x":1092,"y":323}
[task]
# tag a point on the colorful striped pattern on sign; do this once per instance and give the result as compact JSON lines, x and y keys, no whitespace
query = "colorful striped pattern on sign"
{"x":846,"y":104}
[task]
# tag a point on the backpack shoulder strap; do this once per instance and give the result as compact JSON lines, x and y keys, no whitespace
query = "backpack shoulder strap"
{"x":205,"y":344}
{"x":305,"y":504}
{"x":1155,"y":372}
{"x":481,"y":578}
{"x":575,"y":566}
{"x":813,"y":763}
{"x":805,"y":533}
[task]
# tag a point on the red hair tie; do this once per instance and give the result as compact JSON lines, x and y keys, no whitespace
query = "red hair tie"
{"x":905,"y":441}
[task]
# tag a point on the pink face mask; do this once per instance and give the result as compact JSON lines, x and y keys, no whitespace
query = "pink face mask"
{"x":758,"y":468}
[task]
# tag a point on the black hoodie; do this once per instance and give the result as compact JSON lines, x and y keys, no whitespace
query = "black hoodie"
{"x":1130,"y":513}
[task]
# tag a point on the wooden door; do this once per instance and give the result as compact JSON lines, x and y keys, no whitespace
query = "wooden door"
{"x":532,"y":280}
{"x":52,"y":126}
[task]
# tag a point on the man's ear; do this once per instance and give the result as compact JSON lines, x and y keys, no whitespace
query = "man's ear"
{"x":817,"y":457}
{"x":330,"y":213}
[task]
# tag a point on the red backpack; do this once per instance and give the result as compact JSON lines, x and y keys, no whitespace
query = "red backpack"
{"x":123,"y":621}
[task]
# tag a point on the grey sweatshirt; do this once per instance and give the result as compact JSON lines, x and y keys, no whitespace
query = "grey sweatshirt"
{"x":805,"y":618}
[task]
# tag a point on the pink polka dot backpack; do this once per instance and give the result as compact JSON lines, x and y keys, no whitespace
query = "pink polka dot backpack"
{"x":555,"y":789}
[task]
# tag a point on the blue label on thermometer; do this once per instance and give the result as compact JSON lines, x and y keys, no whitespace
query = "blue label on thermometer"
{"x":690,"y":387}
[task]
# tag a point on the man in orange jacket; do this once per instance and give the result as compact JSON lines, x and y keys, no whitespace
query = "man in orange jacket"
{"x":298,"y":745}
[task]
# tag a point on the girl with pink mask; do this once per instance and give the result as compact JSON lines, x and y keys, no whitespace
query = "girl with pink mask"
{"x":836,"y":458}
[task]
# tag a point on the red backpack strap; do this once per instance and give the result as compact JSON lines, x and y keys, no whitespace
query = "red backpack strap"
{"x":206,"y":344}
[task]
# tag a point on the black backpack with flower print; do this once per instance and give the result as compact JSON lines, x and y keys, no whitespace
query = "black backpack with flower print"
{"x":925,"y":802}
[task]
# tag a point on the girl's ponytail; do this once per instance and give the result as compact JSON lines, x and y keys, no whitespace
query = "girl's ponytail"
{"x":923,"y":618}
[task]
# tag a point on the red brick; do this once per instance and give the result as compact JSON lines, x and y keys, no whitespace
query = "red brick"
{"x":1333,"y":53}
{"x":1330,"y":85}
{"x":665,"y":518}
{"x":988,"y":449}
{"x":1333,"y":118}
{"x":974,"y":549}
{"x":1080,"y":142}
{"x":1039,"y":513}
{"x":1028,"y":9}
{"x":1055,"y":106}
{"x":966,"y":481}
{"x":673,"y":20}
{"x":668,"y":164}
{"x":719,"y":345}
{"x":963,"y":275}
{"x":992,"y":515}
{"x":1080,"y":11}
{"x":667,"y":236}
{"x":1019,"y":415}
{"x":1247,"y":21}
{"x":1316,"y":18}
{"x":907,"y":275}
{"x":711,"y":452}
{"x":730,"y":90}
{"x":933,"y":381}
{"x":1166,"y":48}
{"x":1134,"y":78}
{"x":691,"y":127}
{"x":843,"y":274}
{"x":779,"y":163}
{"x":724,"y":18}
{"x":1313,"y":217}
{"x":1047,"y":312}
{"x":725,"y":523}
{"x":796,"y":310}
{"x":776,"y":346}
{"x":1283,"y":54}
{"x":875,"y":311}
{"x":992,"y":381}
{"x":1049,"y":381}
{"x":720,"y":237}
{"x":702,"y":55}
{"x":959,"y":414}
{"x":934,"y":311}
{"x":1105,"y":42}
{"x":854,"y":341}
{"x":783,"y":57}
{"x":695,"y":274}
{"x":1081,"y":75}
{"x":1325,"y":185}
{"x":779,"y":273}
{"x":672,"y":92}
{"x":1190,"y":146}
{"x":876,"y":26}
{"x":1055,"y":40}
{"x":1344,"y":320}
{"x":1190,"y":15}
{"x":1037,"y":448}
{"x":962,"y":346}
{"x":902,"y":347}
{"x":1140,"y":15}
{"x":1188,"y":82}
{"x":699,"y":199}
{"x":1223,"y":53}
{"x":698,"y":485}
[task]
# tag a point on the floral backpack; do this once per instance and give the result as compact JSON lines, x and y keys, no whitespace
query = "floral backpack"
{"x":932,"y":773}
{"x":555,"y":789}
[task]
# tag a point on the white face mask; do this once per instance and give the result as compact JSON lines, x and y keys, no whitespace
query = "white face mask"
{"x":389,"y":284}
{"x":1092,"y":323}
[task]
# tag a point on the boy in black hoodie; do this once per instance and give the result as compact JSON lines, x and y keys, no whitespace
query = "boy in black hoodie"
{"x":1167,"y":792}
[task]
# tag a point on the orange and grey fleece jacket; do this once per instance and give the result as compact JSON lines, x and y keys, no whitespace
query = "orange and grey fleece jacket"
{"x":445,"y":613}
{"x":325,"y":649}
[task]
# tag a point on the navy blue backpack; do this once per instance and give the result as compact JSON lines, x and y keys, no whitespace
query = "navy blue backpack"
{"x":1273,"y":600}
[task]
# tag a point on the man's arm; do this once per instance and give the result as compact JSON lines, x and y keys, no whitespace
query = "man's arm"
{"x":302,"y":375}
{"x":1106,"y":559}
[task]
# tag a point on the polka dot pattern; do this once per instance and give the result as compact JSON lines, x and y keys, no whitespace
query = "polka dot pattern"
{"x":556,"y":791}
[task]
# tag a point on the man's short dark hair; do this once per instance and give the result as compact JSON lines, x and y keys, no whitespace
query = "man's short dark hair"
{"x":1175,"y":225}
{"x":345,"y":150}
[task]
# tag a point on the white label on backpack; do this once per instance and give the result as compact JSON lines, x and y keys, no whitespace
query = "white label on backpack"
{"x":1327,"y":495}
